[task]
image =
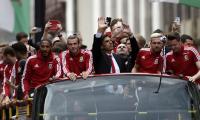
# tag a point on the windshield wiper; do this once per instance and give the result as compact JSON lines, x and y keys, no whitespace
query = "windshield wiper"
{"x":162,"y":71}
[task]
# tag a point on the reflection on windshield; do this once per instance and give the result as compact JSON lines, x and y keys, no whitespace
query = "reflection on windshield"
{"x":118,"y":98}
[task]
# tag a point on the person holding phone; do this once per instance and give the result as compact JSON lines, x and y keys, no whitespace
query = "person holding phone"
{"x":51,"y":26}
{"x":175,"y":25}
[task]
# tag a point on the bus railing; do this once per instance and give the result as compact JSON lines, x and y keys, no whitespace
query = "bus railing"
{"x":16,"y":110}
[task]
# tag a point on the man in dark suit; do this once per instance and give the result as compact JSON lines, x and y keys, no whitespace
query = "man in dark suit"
{"x":104,"y":59}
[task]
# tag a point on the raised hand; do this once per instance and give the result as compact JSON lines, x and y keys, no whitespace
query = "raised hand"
{"x":60,"y":27}
{"x":47,"y":26}
{"x":101,"y":25}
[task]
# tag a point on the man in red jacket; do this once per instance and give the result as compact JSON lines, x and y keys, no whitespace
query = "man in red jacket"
{"x":40,"y":68}
{"x":9,"y":58}
{"x":183,"y":60}
{"x":18,"y":68}
{"x":75,"y":60}
{"x":149,"y":60}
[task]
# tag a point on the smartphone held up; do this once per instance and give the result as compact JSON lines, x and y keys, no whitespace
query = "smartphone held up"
{"x":108,"y":21}
{"x":54,"y":25}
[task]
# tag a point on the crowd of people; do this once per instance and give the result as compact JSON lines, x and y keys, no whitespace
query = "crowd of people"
{"x":115,"y":49}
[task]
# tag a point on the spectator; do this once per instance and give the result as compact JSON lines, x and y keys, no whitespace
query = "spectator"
{"x":128,"y":45}
{"x":122,"y":50}
{"x":140,"y":40}
{"x":55,"y":40}
{"x":9,"y":58}
{"x":40,"y":68}
{"x":116,"y":27}
{"x":175,"y":27}
{"x":182,"y":60}
{"x":132,"y":53}
{"x":105,"y":61}
{"x":23,"y":37}
{"x":187,"y":40}
{"x":58,"y":46}
{"x":53,"y":35}
{"x":149,"y":60}
{"x":46,"y":35}
{"x":158,"y":31}
{"x":76,"y":61}
{"x":81,"y":41}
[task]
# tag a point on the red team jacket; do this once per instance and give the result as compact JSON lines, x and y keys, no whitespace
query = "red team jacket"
{"x":77,"y":64}
{"x":38,"y":71}
{"x":7,"y":72}
{"x":183,"y":62}
{"x":2,"y":66}
{"x":15,"y":76}
{"x":149,"y":62}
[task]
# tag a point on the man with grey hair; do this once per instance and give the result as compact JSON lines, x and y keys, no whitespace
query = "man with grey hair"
{"x":149,"y":60}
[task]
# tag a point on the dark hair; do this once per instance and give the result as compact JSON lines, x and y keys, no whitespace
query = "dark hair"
{"x":158,"y":31}
{"x":21,"y":35}
{"x":56,"y":49}
{"x":114,"y":21}
{"x":184,"y":37}
{"x":103,"y":38}
{"x":20,"y":48}
{"x":9,"y":51}
{"x":49,"y":41}
{"x":173,"y":35}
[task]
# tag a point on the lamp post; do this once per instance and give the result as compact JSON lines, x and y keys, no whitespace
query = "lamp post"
{"x":40,"y":6}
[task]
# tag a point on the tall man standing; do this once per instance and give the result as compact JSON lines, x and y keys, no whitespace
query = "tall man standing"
{"x":40,"y":68}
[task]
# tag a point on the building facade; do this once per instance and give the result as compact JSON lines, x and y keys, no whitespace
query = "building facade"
{"x":144,"y":16}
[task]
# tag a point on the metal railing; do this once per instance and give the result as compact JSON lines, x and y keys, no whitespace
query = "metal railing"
{"x":17,"y":110}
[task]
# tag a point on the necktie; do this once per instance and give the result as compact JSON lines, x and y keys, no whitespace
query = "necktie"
{"x":112,"y":64}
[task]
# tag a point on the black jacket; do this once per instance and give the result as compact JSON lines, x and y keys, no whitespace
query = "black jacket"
{"x":102,"y":62}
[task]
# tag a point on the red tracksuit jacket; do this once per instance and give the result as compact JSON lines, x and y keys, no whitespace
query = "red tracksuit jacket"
{"x":2,"y":66}
{"x":7,"y":73}
{"x":77,"y":64}
{"x":38,"y":71}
